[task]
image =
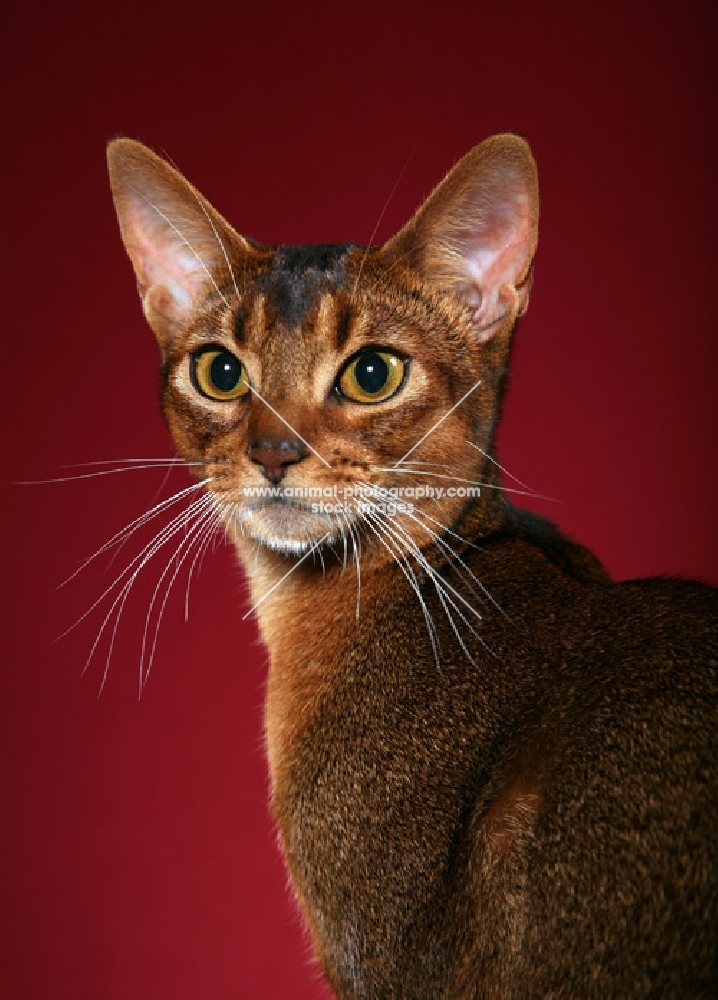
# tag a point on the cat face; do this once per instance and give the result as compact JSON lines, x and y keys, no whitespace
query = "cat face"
{"x":322,"y":388}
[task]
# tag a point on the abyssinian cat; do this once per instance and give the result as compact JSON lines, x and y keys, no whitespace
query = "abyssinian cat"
{"x":492,"y":768}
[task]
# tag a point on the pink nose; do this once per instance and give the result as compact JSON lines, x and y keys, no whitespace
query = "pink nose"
{"x":275,"y":456}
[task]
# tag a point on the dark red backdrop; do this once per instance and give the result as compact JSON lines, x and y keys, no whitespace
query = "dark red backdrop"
{"x":137,"y":854}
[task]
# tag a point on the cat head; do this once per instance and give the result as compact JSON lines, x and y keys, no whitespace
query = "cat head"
{"x":333,"y":374}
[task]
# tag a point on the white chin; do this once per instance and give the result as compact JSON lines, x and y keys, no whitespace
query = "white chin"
{"x":287,"y":527}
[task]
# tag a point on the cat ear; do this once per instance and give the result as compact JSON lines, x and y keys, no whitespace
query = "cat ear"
{"x":476,"y":234}
{"x":176,"y":241}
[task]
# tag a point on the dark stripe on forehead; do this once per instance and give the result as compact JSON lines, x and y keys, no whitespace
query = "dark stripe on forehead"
{"x":317,"y":257}
{"x":240,"y":320}
{"x":298,"y":276}
{"x":344,"y":320}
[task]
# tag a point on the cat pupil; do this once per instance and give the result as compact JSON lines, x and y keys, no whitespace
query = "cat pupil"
{"x":225,"y":371}
{"x":371,"y":372}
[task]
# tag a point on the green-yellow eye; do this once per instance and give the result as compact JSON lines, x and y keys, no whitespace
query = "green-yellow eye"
{"x":372,"y":376}
{"x":219,"y":375}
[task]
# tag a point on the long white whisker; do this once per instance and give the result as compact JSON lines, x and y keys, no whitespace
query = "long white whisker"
{"x":439,"y":422}
{"x":372,"y":520}
{"x":221,"y":244}
{"x":431,"y":465}
{"x":353,"y":531}
{"x":378,"y":221}
{"x":452,"y":557}
{"x":135,"y":525}
{"x":411,"y":579}
{"x":191,"y":538}
{"x":159,"y":540}
{"x":457,"y":479}
{"x":93,"y":475}
{"x":439,"y":585}
{"x":400,"y":532}
{"x":450,"y":554}
{"x":500,"y":467}
{"x":121,"y":599}
{"x":204,"y":514}
{"x":446,"y":530}
{"x":129,"y":461}
{"x":424,"y":563}
{"x":189,"y":245}
{"x":218,"y":526}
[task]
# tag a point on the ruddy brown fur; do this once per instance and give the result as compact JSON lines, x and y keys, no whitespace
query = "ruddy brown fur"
{"x":493,"y":769}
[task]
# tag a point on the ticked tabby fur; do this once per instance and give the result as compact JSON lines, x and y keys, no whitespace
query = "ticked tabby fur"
{"x":492,"y":768}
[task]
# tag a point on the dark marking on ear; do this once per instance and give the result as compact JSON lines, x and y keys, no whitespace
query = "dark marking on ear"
{"x":343,"y":324}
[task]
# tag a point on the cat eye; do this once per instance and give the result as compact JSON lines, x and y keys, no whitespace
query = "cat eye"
{"x":372,"y":376}
{"x":218,"y":374}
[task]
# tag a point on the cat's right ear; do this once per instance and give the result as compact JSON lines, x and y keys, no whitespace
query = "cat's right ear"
{"x":176,"y":241}
{"x":475,"y":236}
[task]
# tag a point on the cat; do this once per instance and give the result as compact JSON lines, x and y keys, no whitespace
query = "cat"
{"x":492,"y":768}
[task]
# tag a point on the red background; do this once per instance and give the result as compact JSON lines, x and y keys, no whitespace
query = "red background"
{"x":137,"y":855}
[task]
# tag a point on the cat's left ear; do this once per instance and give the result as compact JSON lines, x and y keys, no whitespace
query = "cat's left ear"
{"x":179,"y":245}
{"x":476,"y":234}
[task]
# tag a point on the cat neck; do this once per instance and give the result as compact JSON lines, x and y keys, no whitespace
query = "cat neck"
{"x":312,"y":613}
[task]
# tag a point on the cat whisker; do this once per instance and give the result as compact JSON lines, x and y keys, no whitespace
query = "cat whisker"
{"x":348,"y":529}
{"x":169,"y":460}
{"x":141,"y":561}
{"x":453,"y":557}
{"x":396,"y":262}
{"x":439,"y":422}
{"x":219,"y":527}
{"x":162,"y":536}
{"x":410,"y":541}
{"x":374,"y":524}
{"x":441,"y":585}
{"x":445,"y":529}
{"x":378,"y":221}
{"x":449,"y":553}
{"x":133,"y":526}
{"x":333,"y":542}
{"x":502,"y":469}
{"x":431,"y":465}
{"x":221,"y":244}
{"x":94,"y":475}
{"x":468,"y":482}
{"x":356,"y":544}
{"x":188,"y":245}
{"x":193,"y":537}
{"x":344,"y":541}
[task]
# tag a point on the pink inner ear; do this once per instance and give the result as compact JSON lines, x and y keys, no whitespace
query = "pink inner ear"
{"x":162,"y":256}
{"x":475,"y":235}
{"x":494,"y":258}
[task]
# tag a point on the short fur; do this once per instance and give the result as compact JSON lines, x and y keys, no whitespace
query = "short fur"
{"x":524,"y":806}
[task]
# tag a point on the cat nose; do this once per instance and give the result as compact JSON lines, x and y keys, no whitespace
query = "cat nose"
{"x":275,"y":456}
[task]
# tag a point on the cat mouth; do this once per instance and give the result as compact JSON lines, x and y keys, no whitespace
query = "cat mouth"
{"x":288,"y":526}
